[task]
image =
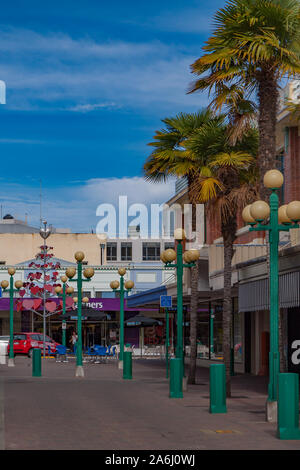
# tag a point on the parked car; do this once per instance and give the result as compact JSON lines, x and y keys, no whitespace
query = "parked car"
{"x":24,"y":343}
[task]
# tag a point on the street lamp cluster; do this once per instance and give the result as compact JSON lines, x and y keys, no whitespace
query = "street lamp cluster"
{"x":183,"y":260}
{"x":18,"y":285}
{"x":259,"y":211}
{"x":124,"y":286}
{"x":280,"y":219}
{"x":88,"y":273}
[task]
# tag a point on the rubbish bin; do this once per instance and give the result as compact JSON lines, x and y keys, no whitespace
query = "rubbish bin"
{"x":3,"y":352}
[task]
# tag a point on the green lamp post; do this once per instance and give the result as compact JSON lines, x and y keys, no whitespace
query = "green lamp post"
{"x":88,"y":274}
{"x":124,"y":286}
{"x":184,"y":260}
{"x":62,"y":292}
{"x":280,"y":219}
{"x":18,"y":285}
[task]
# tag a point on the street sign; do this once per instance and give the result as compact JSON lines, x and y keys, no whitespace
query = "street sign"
{"x":166,"y":301}
{"x":64,"y":325}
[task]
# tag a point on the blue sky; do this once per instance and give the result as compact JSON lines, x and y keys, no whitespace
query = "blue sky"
{"x":88,"y":83}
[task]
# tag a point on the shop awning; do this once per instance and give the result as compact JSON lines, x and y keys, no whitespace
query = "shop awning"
{"x":86,"y":314}
{"x":141,"y":321}
{"x":254,"y":296}
{"x":146,"y":297}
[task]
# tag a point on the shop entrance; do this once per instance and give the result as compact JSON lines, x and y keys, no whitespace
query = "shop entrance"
{"x":92,"y":332}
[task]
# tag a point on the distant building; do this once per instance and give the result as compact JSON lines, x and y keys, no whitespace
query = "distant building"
{"x":11,"y":225}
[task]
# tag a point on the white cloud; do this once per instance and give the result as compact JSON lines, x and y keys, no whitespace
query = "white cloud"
{"x":58,"y":72}
{"x":85,"y":108}
{"x":75,"y":207}
{"x":20,"y":41}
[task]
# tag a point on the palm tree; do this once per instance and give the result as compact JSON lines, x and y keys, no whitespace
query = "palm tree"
{"x":170,"y":157}
{"x":219,"y":175}
{"x":226,"y":182}
{"x":254,"y":45}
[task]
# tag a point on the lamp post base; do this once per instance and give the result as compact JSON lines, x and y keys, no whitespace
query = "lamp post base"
{"x":271,"y":411}
{"x":79,"y":371}
{"x":120,"y":365}
{"x":11,"y":362}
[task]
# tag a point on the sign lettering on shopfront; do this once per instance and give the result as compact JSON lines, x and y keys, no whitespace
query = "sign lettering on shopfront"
{"x":95,"y":304}
{"x":296,"y":354}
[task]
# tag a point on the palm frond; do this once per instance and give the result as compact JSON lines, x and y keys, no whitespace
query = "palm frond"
{"x":237,"y":160}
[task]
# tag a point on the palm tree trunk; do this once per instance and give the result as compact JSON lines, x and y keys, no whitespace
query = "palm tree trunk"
{"x":268,"y":105}
{"x":228,"y":232}
{"x":268,"y":98}
{"x":193,"y":324}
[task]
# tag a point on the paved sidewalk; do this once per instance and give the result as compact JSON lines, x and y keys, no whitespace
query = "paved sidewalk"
{"x":103,"y":411}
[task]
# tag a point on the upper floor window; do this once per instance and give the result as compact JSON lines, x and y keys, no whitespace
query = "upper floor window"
{"x":111,"y":251}
{"x":169,"y":245}
{"x":151,"y":251}
{"x":126,"y":251}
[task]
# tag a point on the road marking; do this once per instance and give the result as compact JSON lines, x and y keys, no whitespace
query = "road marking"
{"x":220,"y":431}
{"x":227,"y":431}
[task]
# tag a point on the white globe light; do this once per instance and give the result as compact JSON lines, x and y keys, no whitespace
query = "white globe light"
{"x":260,"y":210}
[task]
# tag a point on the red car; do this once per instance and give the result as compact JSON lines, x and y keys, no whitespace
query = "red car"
{"x":25,"y":342}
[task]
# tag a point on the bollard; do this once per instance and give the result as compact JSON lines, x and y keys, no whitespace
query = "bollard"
{"x":217,"y":388}
{"x":127,"y":365}
{"x":288,"y":406}
{"x":176,"y":369}
{"x":36,"y":363}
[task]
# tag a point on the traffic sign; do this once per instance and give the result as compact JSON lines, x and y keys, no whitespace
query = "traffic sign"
{"x":166,"y":301}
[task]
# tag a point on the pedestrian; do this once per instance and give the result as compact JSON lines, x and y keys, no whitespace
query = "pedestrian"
{"x":73,"y":340}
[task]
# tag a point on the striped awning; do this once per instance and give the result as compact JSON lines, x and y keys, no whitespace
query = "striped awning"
{"x":254,"y":295}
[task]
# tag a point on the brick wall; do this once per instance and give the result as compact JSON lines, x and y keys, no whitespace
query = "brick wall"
{"x":292,"y":167}
{"x":213,"y":230}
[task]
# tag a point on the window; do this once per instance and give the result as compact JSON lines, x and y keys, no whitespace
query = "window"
{"x":20,"y":337}
{"x":169,"y":245}
{"x":126,"y":251}
{"x":98,"y":294}
{"x":111,"y":252}
{"x":151,"y":251}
